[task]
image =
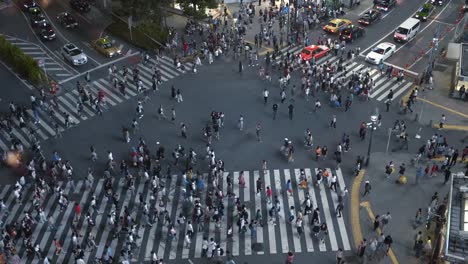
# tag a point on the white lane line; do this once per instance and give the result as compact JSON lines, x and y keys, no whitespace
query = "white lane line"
{"x":224,"y":220}
{"x":42,"y":123}
{"x":322,"y":246}
{"x":71,"y":107}
{"x":258,"y":206}
{"x":271,"y":228}
{"x":200,"y":233}
{"x":401,"y":90}
{"x":295,"y":235}
{"x":305,"y":222}
{"x":382,"y":88}
{"x":248,"y":237}
{"x":235,"y":233}
{"x":282,"y":221}
{"x":109,"y":93}
{"x":3,"y":146}
{"x":341,"y":224}
{"x":394,"y":88}
{"x":328,"y":217}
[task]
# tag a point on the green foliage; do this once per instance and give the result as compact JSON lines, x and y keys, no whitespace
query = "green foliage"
{"x":196,"y":8}
{"x":21,"y":63}
{"x":154,"y":30}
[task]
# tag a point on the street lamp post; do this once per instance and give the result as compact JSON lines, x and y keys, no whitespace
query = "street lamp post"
{"x":373,"y":126}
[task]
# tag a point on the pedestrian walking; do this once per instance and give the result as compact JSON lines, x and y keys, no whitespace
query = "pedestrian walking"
{"x":367,"y":188}
{"x":339,"y":209}
{"x":442,"y":121}
{"x":291,"y":111}
{"x":386,"y":219}
{"x":333,"y":122}
{"x":258,"y":129}
{"x":275,"y":110}
{"x":447,"y":174}
{"x":266,"y":93}
{"x":241,"y":123}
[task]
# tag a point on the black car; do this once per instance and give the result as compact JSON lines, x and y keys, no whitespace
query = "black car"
{"x":81,"y":6}
{"x":384,"y":5}
{"x":67,"y":20}
{"x":45,"y":31}
{"x":351,"y":33}
{"x":369,"y":17}
{"x":37,"y":17}
{"x":26,"y":4}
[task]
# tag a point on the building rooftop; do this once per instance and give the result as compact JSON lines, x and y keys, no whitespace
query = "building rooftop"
{"x":456,"y":243}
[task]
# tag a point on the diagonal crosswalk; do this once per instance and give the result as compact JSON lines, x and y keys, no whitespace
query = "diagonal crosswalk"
{"x":382,"y":84}
{"x":45,"y":127}
{"x":270,"y":238}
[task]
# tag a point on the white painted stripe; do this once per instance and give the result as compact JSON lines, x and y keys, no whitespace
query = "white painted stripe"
{"x":108,"y":100}
{"x":74,"y":100}
{"x":235,"y":233}
{"x":341,"y":224}
{"x":63,"y":74}
{"x":168,"y":68}
{"x":382,"y":88}
{"x":73,"y":118}
{"x":271,"y":228}
{"x":328,"y":218}
{"x":55,"y":69}
{"x":394,"y":88}
{"x":71,"y":107}
{"x":101,"y":219}
{"x":66,"y":243}
{"x":108,"y":93}
{"x":322,"y":246}
{"x":128,"y":89}
{"x":148,"y":81}
{"x":42,"y":123}
{"x":199,"y":234}
{"x":21,"y":138}
{"x":296,"y":238}
{"x":282,"y":221}
{"x":305,"y":222}
{"x":87,"y":108}
{"x":110,"y":87}
{"x":170,"y":200}
{"x":163,"y":71}
{"x":3,"y":145}
{"x":401,"y":90}
{"x":258,"y":205}
{"x":224,"y":221}
{"x":356,"y":69}
{"x":248,"y":237}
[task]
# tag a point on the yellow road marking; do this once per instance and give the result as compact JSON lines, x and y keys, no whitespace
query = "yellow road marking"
{"x":443,"y":107}
{"x":443,"y":158}
{"x":366,"y":205}
{"x":355,"y":218}
{"x":267,"y":49}
{"x":451,"y":127}
{"x":407,"y":95}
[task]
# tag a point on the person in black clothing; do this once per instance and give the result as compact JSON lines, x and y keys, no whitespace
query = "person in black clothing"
{"x":291,"y":111}
{"x":275,"y":110}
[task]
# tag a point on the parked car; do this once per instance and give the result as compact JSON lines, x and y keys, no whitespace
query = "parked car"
{"x":106,"y":47}
{"x":370,"y":17}
{"x":336,"y":25}
{"x":67,"y":20}
{"x":81,"y":6}
{"x":381,"y":52}
{"x":384,"y":5}
{"x":351,"y":33}
{"x":37,"y":17}
{"x":45,"y":31}
{"x":438,"y":2}
{"x":314,"y":52}
{"x":27,"y":4}
{"x":424,"y":12}
{"x":73,"y":54}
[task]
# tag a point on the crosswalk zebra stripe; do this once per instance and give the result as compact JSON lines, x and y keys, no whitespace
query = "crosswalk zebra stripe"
{"x":21,"y":138}
{"x":3,"y":145}
{"x":382,"y":88}
{"x":295,"y":235}
{"x":271,"y":229}
{"x":248,"y":238}
{"x":401,"y":90}
{"x":163,"y":64}
{"x":109,"y":93}
{"x":95,"y":92}
{"x":258,"y":206}
{"x":42,"y":123}
{"x":74,"y":100}
{"x":307,"y":231}
{"x":282,"y":215}
{"x":65,"y":102}
{"x":326,"y":209}
{"x":235,"y":234}
{"x":344,"y":234}
{"x":143,"y":71}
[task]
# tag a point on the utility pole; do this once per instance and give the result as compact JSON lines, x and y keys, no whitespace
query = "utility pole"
{"x":435,"y":48}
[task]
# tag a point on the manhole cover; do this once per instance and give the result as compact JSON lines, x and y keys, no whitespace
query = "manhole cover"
{"x":257,"y":246}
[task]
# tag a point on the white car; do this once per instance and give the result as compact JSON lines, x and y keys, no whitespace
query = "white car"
{"x":381,"y":53}
{"x":74,"y":55}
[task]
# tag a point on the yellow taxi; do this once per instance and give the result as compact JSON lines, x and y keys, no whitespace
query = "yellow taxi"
{"x":106,"y":47}
{"x":336,"y":25}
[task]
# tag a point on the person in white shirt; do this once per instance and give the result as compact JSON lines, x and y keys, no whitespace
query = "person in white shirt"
{"x":204,"y":247}
{"x":211,"y":247}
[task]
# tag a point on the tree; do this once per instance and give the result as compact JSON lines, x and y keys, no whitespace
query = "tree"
{"x":197,"y":7}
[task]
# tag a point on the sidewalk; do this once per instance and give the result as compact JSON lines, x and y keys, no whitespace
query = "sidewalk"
{"x":431,"y":104}
{"x":402,"y":201}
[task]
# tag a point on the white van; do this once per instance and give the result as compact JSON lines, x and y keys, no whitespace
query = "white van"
{"x":407,"y":31}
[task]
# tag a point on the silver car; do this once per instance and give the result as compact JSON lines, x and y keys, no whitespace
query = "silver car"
{"x":74,"y":55}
